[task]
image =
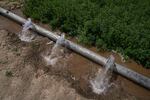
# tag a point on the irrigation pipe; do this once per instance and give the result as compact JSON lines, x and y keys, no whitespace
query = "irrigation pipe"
{"x":122,"y":70}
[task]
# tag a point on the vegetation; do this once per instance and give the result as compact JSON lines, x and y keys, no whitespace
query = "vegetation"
{"x":121,"y":25}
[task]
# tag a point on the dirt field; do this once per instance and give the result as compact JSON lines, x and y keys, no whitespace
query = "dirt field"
{"x":25,"y":76}
{"x":24,"y":79}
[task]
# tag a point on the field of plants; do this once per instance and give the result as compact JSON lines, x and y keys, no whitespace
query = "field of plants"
{"x":121,"y":25}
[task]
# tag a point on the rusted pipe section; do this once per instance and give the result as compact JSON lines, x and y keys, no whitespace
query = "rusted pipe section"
{"x":122,"y":70}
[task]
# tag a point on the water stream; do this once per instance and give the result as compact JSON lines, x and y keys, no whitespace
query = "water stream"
{"x":101,"y":83}
{"x":56,"y":52}
{"x":25,"y":34}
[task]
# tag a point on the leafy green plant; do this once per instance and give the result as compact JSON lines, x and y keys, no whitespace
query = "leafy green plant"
{"x":121,"y":25}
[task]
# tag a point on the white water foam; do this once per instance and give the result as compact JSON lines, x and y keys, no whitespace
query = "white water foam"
{"x":25,"y":34}
{"x":55,"y":52}
{"x":101,"y":83}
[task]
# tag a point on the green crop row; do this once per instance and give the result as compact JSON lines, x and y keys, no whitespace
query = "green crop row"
{"x":121,"y":25}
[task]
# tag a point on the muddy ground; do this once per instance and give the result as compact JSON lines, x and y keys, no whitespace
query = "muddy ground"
{"x":24,"y":74}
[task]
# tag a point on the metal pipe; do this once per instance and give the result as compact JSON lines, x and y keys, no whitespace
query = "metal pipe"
{"x":122,"y":70}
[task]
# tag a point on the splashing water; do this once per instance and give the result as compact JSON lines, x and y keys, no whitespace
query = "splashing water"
{"x":56,"y":52}
{"x":25,"y":34}
{"x":101,"y":82}
{"x":27,"y":25}
{"x":59,"y":42}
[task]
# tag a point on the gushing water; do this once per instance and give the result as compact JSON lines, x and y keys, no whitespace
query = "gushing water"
{"x":101,"y":82}
{"x":56,"y":52}
{"x":25,"y":34}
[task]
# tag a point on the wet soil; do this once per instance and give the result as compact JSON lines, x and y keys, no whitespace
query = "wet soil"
{"x":33,"y":80}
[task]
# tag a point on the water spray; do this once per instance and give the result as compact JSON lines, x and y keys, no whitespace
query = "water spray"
{"x":25,"y":34}
{"x":101,"y":83}
{"x":55,"y":52}
{"x":27,"y":25}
